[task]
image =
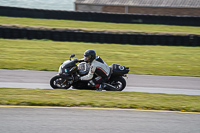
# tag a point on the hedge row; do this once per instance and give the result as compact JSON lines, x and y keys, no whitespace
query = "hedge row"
{"x":99,"y":37}
{"x":100,"y":17}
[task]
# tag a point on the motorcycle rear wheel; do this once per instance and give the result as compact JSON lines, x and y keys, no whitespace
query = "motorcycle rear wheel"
{"x":119,"y":83}
{"x":58,"y":82}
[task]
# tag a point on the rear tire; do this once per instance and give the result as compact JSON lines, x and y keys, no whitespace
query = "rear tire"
{"x":58,"y":82}
{"x":119,"y":83}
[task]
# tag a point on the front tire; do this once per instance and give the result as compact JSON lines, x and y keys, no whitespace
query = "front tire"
{"x":57,"y":82}
{"x":119,"y":83}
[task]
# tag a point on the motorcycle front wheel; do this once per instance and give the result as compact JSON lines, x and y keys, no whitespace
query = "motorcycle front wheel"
{"x":58,"y":82}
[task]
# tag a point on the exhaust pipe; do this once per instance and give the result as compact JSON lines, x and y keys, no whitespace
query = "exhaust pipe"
{"x":109,"y":86}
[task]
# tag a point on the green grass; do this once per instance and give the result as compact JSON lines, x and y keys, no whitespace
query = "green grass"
{"x":113,"y":27}
{"x":48,"y":55}
{"x":70,"y":98}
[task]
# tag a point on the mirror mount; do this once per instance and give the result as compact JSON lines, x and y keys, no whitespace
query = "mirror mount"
{"x":72,"y":56}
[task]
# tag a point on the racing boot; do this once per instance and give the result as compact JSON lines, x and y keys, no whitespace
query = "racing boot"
{"x":100,"y":87}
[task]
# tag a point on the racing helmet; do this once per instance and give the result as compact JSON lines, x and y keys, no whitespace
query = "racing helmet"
{"x":90,"y":55}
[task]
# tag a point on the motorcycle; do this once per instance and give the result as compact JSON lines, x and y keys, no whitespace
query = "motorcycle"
{"x":68,"y":70}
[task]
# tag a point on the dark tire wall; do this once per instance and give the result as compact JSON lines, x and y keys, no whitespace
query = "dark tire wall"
{"x":99,"y":37}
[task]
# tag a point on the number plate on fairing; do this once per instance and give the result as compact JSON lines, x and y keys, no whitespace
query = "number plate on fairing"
{"x":83,"y":68}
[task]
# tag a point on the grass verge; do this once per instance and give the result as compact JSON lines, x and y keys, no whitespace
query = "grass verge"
{"x":100,"y":26}
{"x":72,"y":98}
{"x":48,"y":55}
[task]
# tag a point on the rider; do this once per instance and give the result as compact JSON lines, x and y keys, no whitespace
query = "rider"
{"x":97,"y":67}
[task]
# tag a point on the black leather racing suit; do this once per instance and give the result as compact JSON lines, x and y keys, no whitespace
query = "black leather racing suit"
{"x":100,"y":69}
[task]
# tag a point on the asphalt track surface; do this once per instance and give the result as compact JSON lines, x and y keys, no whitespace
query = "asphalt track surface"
{"x":135,"y":83}
{"x":83,"y":120}
{"x":91,"y":120}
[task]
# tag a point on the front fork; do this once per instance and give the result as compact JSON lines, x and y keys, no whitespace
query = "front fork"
{"x":66,"y":78}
